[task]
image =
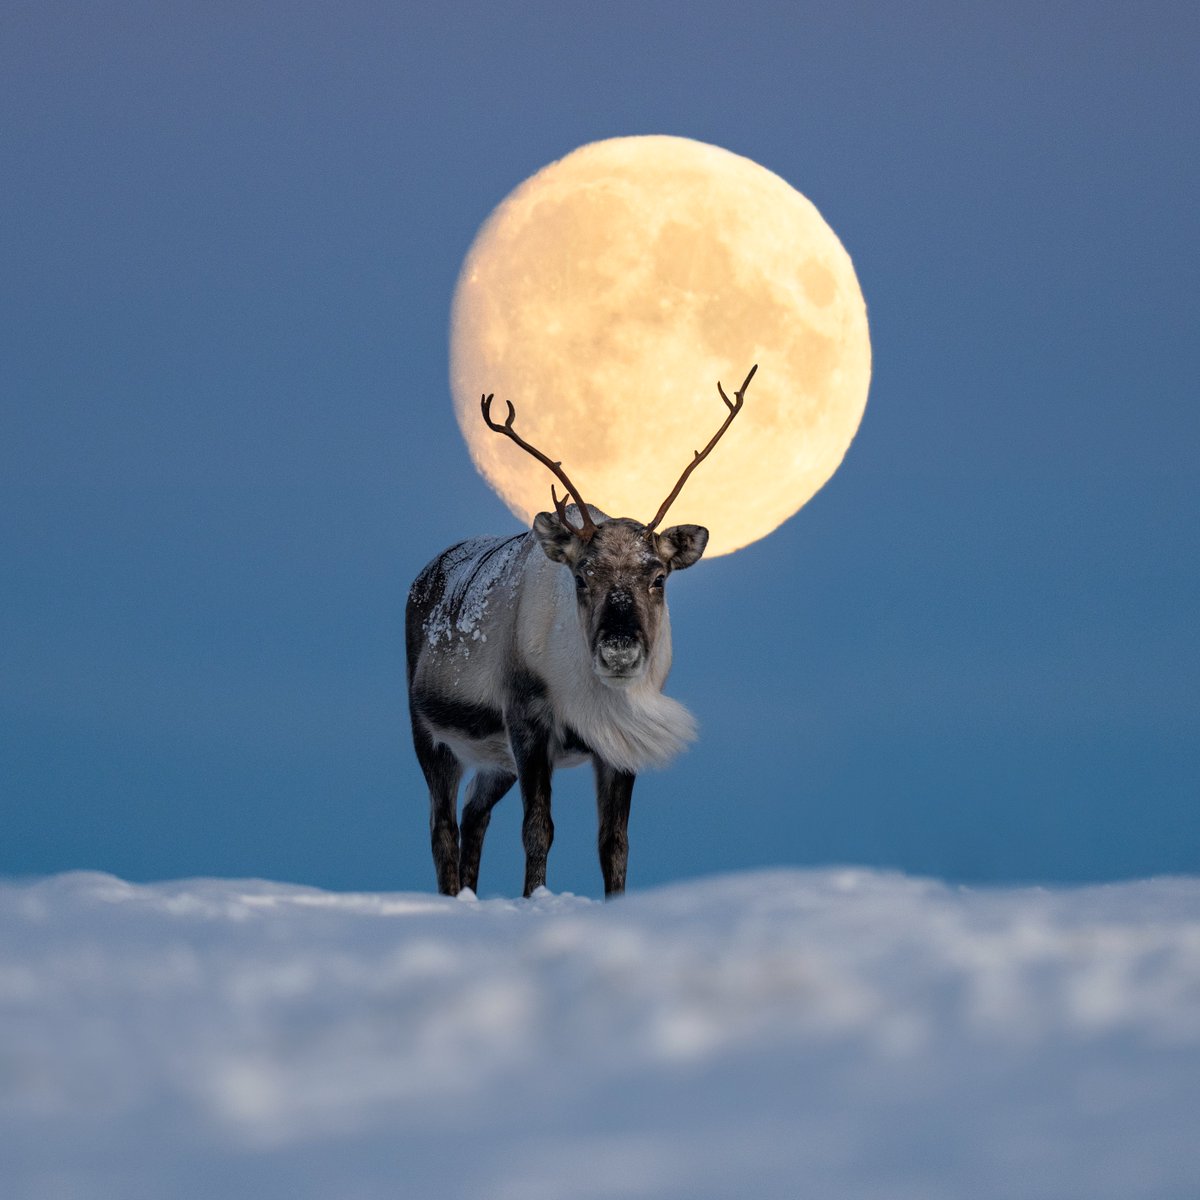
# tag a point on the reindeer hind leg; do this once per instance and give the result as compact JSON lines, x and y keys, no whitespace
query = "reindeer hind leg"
{"x":443,"y":772}
{"x":486,"y":790}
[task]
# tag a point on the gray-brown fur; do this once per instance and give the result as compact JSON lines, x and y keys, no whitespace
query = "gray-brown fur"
{"x":535,"y":652}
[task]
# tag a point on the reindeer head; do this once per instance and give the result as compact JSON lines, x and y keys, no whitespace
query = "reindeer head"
{"x":620,"y":573}
{"x":620,"y":566}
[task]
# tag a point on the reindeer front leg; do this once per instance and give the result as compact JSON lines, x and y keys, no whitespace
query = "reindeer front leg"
{"x":529,"y":737}
{"x":614,"y":791}
{"x":537,"y":830}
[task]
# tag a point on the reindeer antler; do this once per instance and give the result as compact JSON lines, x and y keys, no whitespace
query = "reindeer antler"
{"x":588,"y":528}
{"x":734,"y":406}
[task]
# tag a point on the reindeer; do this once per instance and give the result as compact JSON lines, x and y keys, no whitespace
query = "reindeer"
{"x":520,"y":662}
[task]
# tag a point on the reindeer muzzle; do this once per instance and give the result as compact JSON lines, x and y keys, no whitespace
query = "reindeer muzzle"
{"x":619,"y":658}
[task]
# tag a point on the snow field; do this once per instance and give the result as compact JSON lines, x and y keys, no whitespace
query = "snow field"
{"x":836,"y":1033}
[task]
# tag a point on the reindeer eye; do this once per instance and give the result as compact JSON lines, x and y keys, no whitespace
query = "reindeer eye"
{"x":659,"y":580}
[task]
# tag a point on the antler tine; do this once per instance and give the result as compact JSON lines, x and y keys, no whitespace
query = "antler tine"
{"x":560,"y":507}
{"x":735,"y":407}
{"x":584,"y":533}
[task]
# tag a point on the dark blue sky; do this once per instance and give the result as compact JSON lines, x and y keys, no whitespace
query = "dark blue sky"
{"x":228,"y":240}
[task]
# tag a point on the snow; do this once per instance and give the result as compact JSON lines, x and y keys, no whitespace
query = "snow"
{"x":472,"y":570}
{"x":835,"y":1033}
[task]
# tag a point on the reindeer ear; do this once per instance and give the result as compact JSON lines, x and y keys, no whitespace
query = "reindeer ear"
{"x":682,"y":545}
{"x":559,"y":543}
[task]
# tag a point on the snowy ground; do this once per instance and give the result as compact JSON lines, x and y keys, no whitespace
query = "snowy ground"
{"x":836,"y":1034}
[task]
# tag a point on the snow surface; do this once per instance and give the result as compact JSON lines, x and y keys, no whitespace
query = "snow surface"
{"x":835,"y":1033}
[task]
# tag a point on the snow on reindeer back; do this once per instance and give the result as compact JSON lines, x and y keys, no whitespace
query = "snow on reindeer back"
{"x":472,"y":573}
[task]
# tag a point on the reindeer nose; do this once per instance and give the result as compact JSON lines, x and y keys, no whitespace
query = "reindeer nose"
{"x":620,"y":654}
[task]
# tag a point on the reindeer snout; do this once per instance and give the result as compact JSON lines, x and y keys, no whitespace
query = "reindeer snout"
{"x":619,"y":655}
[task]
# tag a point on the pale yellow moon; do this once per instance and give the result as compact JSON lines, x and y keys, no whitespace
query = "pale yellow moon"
{"x":607,"y":295}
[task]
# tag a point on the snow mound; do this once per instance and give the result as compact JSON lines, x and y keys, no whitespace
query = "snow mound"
{"x":836,"y":1033}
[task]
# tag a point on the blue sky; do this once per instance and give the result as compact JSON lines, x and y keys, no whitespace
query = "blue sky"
{"x":228,"y":240}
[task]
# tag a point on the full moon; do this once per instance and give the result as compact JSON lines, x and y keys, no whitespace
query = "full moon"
{"x":605,"y":298}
